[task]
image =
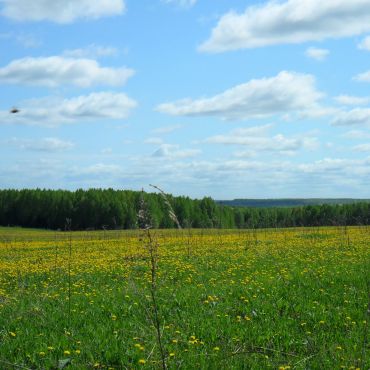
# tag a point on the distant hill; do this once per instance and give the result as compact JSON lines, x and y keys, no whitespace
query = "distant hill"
{"x":289,"y":202}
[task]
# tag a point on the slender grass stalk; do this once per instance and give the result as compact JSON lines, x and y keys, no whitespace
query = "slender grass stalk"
{"x":171,"y":212}
{"x":56,"y":252}
{"x":153,"y":251}
{"x":69,"y":229}
{"x":152,"y":248}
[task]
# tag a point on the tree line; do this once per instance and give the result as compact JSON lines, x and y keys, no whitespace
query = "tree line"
{"x":118,"y":209}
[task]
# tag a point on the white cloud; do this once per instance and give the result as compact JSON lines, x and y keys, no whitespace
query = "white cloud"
{"x":244,"y":154}
{"x":356,"y":135}
{"x":169,"y":151}
{"x":51,"y":112}
{"x":60,"y":11}
{"x":256,"y":139}
{"x":362,"y":148}
{"x":182,"y":3}
{"x":336,"y":167}
{"x":154,"y":141}
{"x":288,"y":92}
{"x":363,"y":77}
{"x":317,"y":54}
{"x":55,"y":71}
{"x":166,"y":129}
{"x":365,"y":44}
{"x":285,"y":22}
{"x":339,"y":177}
{"x":92,"y":51}
{"x":48,"y":144}
{"x":357,"y":116}
{"x":26,"y":40}
{"x":106,"y":151}
{"x":101,"y":169}
{"x":352,"y":100}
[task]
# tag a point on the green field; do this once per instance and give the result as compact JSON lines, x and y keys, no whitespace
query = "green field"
{"x":187,"y":299}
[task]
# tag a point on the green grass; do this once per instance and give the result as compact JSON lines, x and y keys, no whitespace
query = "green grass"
{"x":226,"y":299}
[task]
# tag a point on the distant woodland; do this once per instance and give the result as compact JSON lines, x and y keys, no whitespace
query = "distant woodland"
{"x":118,"y":209}
{"x":289,"y":202}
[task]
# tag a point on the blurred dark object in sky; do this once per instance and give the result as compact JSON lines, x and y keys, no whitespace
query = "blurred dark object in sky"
{"x":14,"y":110}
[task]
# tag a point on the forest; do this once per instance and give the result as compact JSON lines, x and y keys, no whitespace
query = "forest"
{"x":288,"y":202}
{"x":118,"y":209}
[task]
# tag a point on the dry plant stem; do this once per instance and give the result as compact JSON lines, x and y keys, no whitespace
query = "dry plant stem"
{"x":152,"y":248}
{"x":171,"y":212}
{"x":68,"y":227}
{"x":56,"y":252}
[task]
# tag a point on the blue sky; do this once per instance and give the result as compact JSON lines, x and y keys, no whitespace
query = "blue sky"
{"x":225,"y":98}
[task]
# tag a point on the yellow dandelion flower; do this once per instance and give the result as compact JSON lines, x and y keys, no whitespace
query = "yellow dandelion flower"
{"x":142,"y":361}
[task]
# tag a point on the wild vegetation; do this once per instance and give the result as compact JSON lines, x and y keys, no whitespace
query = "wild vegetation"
{"x":211,"y":299}
{"x":117,"y":209}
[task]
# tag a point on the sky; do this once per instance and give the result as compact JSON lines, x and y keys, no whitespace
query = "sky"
{"x":221,"y":98}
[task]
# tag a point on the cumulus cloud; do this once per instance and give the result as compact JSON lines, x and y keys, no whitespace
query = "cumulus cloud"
{"x":48,"y":144}
{"x":336,"y":166}
{"x":169,"y":151}
{"x":278,"y":142}
{"x":257,"y":139}
{"x":356,"y":135}
{"x":317,"y":54}
{"x":288,"y":92}
{"x":182,"y":3}
{"x":365,"y":44}
{"x":362,"y":147}
{"x":55,"y":71}
{"x":166,"y":129}
{"x":285,"y":22}
{"x":60,"y":11}
{"x":26,"y":40}
{"x":363,"y":77}
{"x":92,"y":51}
{"x":357,"y":116}
{"x":51,"y":112}
{"x":154,"y":141}
{"x":101,"y":169}
{"x":352,"y":100}
{"x":325,"y":177}
{"x":106,"y":151}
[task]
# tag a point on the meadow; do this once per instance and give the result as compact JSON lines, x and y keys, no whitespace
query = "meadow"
{"x":185,"y":299}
